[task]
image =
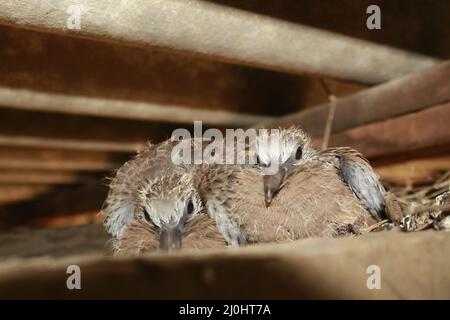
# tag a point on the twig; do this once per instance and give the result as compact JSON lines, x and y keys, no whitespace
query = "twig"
{"x":374,"y":226}
{"x":436,"y":207}
{"x":331,"y":111}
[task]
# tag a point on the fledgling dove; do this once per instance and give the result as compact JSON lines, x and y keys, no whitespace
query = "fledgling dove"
{"x":329,"y":193}
{"x":153,"y":204}
{"x":171,"y":216}
{"x":296,"y":151}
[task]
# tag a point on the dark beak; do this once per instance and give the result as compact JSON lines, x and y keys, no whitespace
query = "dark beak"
{"x":170,"y":238}
{"x":272,"y":184}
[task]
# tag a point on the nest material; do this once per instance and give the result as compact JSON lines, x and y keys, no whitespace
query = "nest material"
{"x":413,"y":208}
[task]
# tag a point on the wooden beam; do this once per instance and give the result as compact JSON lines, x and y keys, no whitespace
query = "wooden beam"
{"x":58,"y":160}
{"x":15,"y":163}
{"x":415,"y":171}
{"x":294,"y":270}
{"x":63,"y":131}
{"x":428,"y":128}
{"x":82,"y":67}
{"x":349,"y":17}
{"x":219,"y":32}
{"x":76,"y":219}
{"x":394,"y":98}
{"x":65,"y":205}
{"x":54,"y":242}
{"x":67,"y":144}
{"x":42,"y":177}
{"x":32,"y":100}
{"x":20,"y":192}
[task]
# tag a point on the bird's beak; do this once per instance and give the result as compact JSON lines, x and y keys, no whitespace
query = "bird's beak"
{"x":272,"y":184}
{"x":170,"y":238}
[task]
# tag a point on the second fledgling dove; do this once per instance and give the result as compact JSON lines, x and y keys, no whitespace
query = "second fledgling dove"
{"x":295,"y":152}
{"x":312,"y":203}
{"x":329,"y":193}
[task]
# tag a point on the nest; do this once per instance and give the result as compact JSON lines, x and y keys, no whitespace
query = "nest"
{"x":423,"y":194}
{"x":416,"y":208}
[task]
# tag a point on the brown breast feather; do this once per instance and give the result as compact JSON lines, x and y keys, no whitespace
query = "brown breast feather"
{"x":313,"y":202}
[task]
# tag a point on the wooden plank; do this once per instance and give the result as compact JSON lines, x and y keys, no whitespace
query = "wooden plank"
{"x":54,"y":242}
{"x":82,"y":67}
{"x":73,"y":219}
{"x":68,"y":144}
{"x":394,"y":98}
{"x":63,"y":131}
{"x":58,"y":160}
{"x":414,"y":172}
{"x":349,"y":17}
{"x":295,"y":270}
{"x":118,"y":134}
{"x":426,"y":129}
{"x":32,"y":100}
{"x":219,"y":32}
{"x":42,"y":177}
{"x":65,"y":205}
{"x":20,"y":192}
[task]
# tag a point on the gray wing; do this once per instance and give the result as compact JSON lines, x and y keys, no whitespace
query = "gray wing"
{"x":360,"y":177}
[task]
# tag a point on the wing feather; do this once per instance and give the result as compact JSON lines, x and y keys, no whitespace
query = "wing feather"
{"x":357,"y":173}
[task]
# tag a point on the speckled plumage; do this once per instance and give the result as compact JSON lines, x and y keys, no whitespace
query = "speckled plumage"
{"x":141,"y":238}
{"x":352,"y":168}
{"x":313,"y":202}
{"x":152,"y":201}
{"x":328,"y":193}
{"x":216,"y":185}
{"x":120,"y":205}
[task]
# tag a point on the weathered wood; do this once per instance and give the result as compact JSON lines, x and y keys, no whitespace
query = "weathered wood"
{"x":415,"y":171}
{"x":20,"y":192}
{"x":68,"y":144}
{"x":82,"y":67}
{"x":42,"y":177}
{"x":400,"y":96}
{"x":58,"y":160}
{"x":104,"y":134}
{"x":62,"y":206}
{"x":425,"y":129}
{"x":60,"y":221}
{"x":348,"y":17}
{"x":67,"y":164}
{"x":207,"y":29}
{"x":294,"y":270}
{"x":32,"y":100}
{"x":54,"y":242}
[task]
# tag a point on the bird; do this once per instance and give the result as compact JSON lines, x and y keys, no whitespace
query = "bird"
{"x":295,"y":151}
{"x":312,"y":203}
{"x":328,"y":193}
{"x":170,"y":217}
{"x":216,"y":184}
{"x":153,"y":204}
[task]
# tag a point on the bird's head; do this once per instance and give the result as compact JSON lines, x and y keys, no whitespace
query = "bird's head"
{"x":277,"y":152}
{"x":167,"y":204}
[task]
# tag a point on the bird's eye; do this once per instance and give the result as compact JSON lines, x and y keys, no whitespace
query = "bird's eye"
{"x":190,"y":207}
{"x":147,"y":216}
{"x":298,"y":153}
